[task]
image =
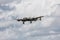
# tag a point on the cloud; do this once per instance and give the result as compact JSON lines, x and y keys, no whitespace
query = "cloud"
{"x":47,"y":29}
{"x":34,"y":8}
{"x":6,"y":8}
{"x":8,"y":1}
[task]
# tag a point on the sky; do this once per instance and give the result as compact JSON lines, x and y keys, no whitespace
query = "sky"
{"x":47,"y":29}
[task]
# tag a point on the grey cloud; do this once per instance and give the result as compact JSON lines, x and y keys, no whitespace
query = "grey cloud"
{"x":55,"y":26}
{"x":8,"y":1}
{"x":44,"y":34}
{"x":6,"y":8}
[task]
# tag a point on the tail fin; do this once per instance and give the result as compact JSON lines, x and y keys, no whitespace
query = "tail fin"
{"x":41,"y":17}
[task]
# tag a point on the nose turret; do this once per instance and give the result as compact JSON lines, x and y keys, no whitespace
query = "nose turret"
{"x":18,"y":19}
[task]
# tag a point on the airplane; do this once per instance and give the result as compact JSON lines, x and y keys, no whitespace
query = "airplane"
{"x":30,"y":19}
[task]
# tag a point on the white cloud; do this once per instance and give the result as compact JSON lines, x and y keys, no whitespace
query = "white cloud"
{"x":47,"y":21}
{"x":34,"y":8}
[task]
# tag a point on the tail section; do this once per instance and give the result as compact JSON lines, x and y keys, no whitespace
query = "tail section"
{"x":41,"y":17}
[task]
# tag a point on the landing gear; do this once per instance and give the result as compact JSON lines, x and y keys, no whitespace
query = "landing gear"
{"x":40,"y":18}
{"x":23,"y":22}
{"x":30,"y":21}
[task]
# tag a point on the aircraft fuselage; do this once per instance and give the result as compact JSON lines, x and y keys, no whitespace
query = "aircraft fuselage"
{"x":30,"y":19}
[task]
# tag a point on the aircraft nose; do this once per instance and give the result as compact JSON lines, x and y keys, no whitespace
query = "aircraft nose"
{"x":18,"y":19}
